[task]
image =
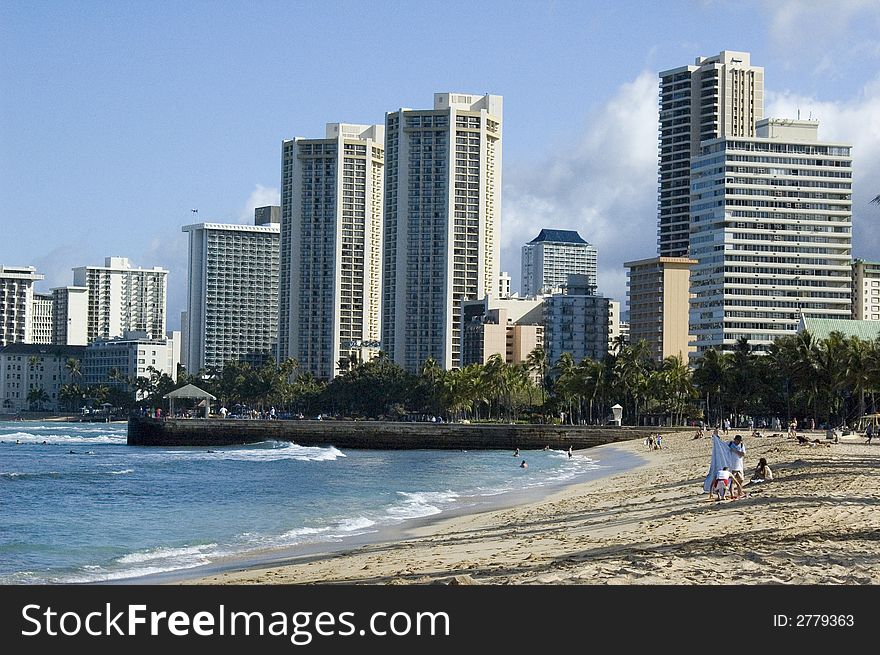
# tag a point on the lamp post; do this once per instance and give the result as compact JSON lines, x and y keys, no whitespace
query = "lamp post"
{"x":617,"y":412}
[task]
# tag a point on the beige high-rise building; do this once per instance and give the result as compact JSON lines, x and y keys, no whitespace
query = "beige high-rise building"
{"x":720,"y":96}
{"x":330,"y":313}
{"x":442,"y":222}
{"x":511,"y":327}
{"x":659,"y":296}
{"x":866,"y":290}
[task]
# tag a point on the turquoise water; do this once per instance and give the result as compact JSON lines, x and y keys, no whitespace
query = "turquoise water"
{"x":85,"y":507}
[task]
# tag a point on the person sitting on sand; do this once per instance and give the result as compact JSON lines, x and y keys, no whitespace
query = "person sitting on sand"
{"x":762,"y":472}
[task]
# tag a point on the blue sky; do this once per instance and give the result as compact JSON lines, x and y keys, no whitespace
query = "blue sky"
{"x":118,"y":118}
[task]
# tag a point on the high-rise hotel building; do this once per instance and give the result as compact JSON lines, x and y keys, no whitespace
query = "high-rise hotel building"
{"x":232,"y":301}
{"x":658,"y":290}
{"x":442,"y":222}
{"x":17,"y":303}
{"x":70,"y":309}
{"x":122,"y":298}
{"x":866,"y":290}
{"x":720,"y":96}
{"x":553,"y":255}
{"x":331,"y":248}
{"x":771,"y":231}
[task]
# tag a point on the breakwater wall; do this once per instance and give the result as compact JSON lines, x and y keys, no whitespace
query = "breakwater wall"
{"x":375,"y":435}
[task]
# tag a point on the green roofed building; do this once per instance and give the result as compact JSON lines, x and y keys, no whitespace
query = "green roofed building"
{"x":821,"y":328}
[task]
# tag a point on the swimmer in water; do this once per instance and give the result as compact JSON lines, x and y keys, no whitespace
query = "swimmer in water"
{"x":524,"y":465}
{"x":516,"y":453}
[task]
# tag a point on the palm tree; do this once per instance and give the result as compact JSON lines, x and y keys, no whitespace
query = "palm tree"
{"x":618,"y":343}
{"x":74,"y":369}
{"x":677,"y":386}
{"x":858,"y":371}
{"x":631,"y":369}
{"x":539,"y":363}
{"x":564,"y":370}
{"x":37,"y":396}
{"x":709,"y":376}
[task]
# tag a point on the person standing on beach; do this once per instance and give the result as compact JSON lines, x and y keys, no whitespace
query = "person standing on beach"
{"x":869,"y":432}
{"x":737,"y":459}
{"x":726,"y":426}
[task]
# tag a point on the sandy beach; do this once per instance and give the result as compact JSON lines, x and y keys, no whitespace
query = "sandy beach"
{"x":816,"y":523}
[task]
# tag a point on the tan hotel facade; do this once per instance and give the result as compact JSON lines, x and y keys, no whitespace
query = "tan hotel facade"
{"x":659,"y":303}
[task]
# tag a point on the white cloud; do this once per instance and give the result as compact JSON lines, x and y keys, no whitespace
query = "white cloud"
{"x":171,"y":253}
{"x":603,"y":183}
{"x":855,"y":121}
{"x":261,"y":196}
{"x":827,"y":36}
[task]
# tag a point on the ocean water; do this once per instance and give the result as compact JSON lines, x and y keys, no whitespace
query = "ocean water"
{"x":78,"y":505}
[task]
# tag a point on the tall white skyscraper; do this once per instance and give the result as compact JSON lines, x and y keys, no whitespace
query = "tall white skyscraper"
{"x":442,"y":223}
{"x":331,"y":248}
{"x":720,"y":96}
{"x":553,"y":255}
{"x":232,"y":301}
{"x":122,"y":298}
{"x":17,"y":303}
{"x":771,"y":233}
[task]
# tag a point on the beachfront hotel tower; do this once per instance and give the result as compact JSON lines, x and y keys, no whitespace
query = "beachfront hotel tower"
{"x":442,"y":222}
{"x":17,"y":303}
{"x":771,"y":233}
{"x":553,"y":255}
{"x":122,"y":298}
{"x":70,"y":316}
{"x":232,"y":297}
{"x":717,"y":97}
{"x":331,"y":248}
{"x":658,"y":290}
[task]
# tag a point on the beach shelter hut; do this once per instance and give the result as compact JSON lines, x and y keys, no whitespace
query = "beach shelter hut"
{"x":190,"y":391}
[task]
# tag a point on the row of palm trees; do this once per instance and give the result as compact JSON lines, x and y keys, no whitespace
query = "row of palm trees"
{"x":831,"y":380}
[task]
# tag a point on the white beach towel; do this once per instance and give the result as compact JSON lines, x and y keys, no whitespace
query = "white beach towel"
{"x":720,"y":459}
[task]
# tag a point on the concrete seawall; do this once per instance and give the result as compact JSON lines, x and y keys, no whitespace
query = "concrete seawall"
{"x":375,"y":435}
